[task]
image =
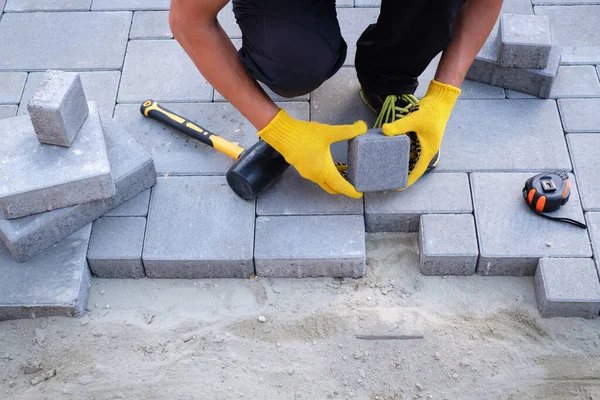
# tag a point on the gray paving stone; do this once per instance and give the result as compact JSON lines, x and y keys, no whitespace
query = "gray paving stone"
{"x":175,"y":153}
{"x":7,"y":111}
{"x":52,"y":5}
{"x":133,"y":172}
{"x":35,"y":178}
{"x":150,"y":25}
{"x":11,"y":87}
{"x":367,"y":3}
{"x":593,"y":224}
{"x":517,"y":7}
{"x":506,"y":135}
{"x":99,"y":86}
{"x":571,"y":81}
{"x":136,"y":207}
{"x":115,"y":249}
{"x":585,"y":153}
{"x":63,"y":40}
{"x":54,"y":284}
{"x":377,"y":162}
{"x":2,"y":2}
{"x":353,"y":21}
{"x":526,"y":41}
{"x":173,"y":76}
{"x":575,"y":29}
{"x":580,"y":115}
{"x":447,"y":244}
{"x":567,"y":287}
{"x":227,"y":20}
{"x":198,"y":228}
{"x":102,"y":5}
{"x":401,"y":210}
{"x":58,"y":108}
{"x":344,"y":3}
{"x":294,"y":195}
{"x":310,"y":246}
{"x":512,"y":238}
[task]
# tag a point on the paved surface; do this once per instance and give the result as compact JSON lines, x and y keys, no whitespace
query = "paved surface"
{"x":125,"y":54}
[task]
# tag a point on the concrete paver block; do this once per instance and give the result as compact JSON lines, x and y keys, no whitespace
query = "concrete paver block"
{"x":47,"y":5}
{"x":353,"y":21}
{"x":585,"y":153}
{"x":377,"y":162}
{"x":294,"y":195}
{"x":448,"y":244}
{"x":512,"y":238}
{"x":150,"y":25}
{"x":58,"y":108}
{"x":133,"y":172}
{"x":55,"y":283}
{"x":175,"y":153}
{"x":99,"y":86}
{"x":593,"y":224}
{"x":525,"y":41}
{"x":227,"y":20}
{"x":571,"y":81}
{"x":7,"y":111}
{"x":310,"y":246}
{"x":580,"y":115}
{"x":401,"y":210}
{"x":198,"y":228}
{"x":104,"y":5}
{"x":567,"y":287}
{"x":506,"y":135}
{"x":115,"y":249}
{"x":35,"y":178}
{"x":63,"y":40}
{"x":11,"y":87}
{"x":136,"y":207}
{"x":173,"y":76}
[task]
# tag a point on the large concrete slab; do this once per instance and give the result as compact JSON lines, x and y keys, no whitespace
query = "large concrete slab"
{"x":63,"y":40}
{"x":585,"y":153}
{"x":35,"y":178}
{"x":47,"y":5}
{"x":175,"y":153}
{"x":172,"y":76}
{"x":576,"y":81}
{"x":133,"y":172}
{"x":11,"y":87}
{"x":401,"y":210}
{"x":575,"y":29}
{"x":136,"y":207}
{"x":310,"y":246}
{"x":130,"y":5}
{"x":580,"y":115}
{"x":198,"y":228}
{"x":512,"y":238}
{"x":293,"y":195}
{"x":55,"y":283}
{"x":505,"y":135}
{"x":99,"y":86}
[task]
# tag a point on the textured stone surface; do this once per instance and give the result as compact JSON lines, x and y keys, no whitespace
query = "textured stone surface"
{"x":198,"y":228}
{"x":136,"y":207}
{"x":99,"y":86}
{"x":506,"y":135}
{"x":585,"y":153}
{"x":67,"y":40}
{"x":567,"y":287}
{"x":571,"y":81}
{"x":512,"y":238}
{"x":115,"y":249}
{"x":7,"y":111}
{"x":58,"y":108}
{"x":294,"y":195}
{"x":47,"y":5}
{"x":400,"y":210}
{"x":593,"y":223}
{"x":173,"y":75}
{"x":377,"y":162}
{"x":35,"y":178}
{"x":310,"y":246}
{"x":353,"y":21}
{"x":575,"y":29}
{"x":11,"y":87}
{"x":175,"y":153}
{"x":526,"y":41}
{"x":580,"y":115}
{"x":150,"y":25}
{"x":55,"y":283}
{"x":130,"y":5}
{"x":133,"y":172}
{"x":447,"y":244}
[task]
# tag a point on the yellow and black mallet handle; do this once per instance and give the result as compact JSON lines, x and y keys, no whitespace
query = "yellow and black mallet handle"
{"x":152,"y":109}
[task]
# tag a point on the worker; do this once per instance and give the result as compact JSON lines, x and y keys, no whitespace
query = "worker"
{"x":293,"y":46}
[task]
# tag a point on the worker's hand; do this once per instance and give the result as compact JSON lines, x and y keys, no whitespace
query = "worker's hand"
{"x":305,"y":145}
{"x":428,"y":121}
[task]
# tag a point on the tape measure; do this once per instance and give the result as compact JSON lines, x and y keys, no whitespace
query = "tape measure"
{"x":547,"y":192}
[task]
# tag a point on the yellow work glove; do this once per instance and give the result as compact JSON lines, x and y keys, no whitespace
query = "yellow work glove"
{"x":305,"y":145}
{"x":428,"y":121}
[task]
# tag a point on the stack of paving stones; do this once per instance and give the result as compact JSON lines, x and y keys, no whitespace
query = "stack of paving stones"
{"x":62,"y":168}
